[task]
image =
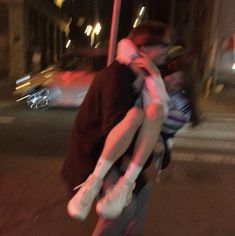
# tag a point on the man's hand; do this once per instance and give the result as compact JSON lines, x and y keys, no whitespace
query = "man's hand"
{"x":145,"y":64}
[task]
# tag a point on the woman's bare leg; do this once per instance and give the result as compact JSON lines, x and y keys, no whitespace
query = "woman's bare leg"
{"x":114,"y":201}
{"x":146,"y":141}
{"x":149,"y":133}
{"x":118,"y":141}
{"x":116,"y":144}
{"x":122,"y":134}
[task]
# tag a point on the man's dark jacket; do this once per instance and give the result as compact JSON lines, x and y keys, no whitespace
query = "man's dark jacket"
{"x":108,"y":100}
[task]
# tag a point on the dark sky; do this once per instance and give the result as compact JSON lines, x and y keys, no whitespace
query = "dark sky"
{"x":101,"y":10}
{"x":3,"y":18}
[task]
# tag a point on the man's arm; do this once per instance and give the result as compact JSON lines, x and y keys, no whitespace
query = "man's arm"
{"x":118,"y":98}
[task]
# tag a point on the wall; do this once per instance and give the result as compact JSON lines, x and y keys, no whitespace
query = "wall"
{"x":17,"y":38}
{"x":4,"y":61}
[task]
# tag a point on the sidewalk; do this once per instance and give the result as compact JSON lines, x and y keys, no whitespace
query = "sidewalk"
{"x":215,"y":134}
{"x":223,"y":102}
{"x":6,"y":93}
{"x":191,"y":199}
{"x":195,"y":195}
{"x":6,"y":90}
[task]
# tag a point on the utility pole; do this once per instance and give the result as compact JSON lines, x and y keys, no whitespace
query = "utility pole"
{"x":114,"y":31}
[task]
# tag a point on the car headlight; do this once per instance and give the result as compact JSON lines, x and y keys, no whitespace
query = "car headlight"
{"x":23,"y":85}
{"x":26,"y":77}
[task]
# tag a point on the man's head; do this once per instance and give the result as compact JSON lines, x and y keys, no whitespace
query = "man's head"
{"x":152,"y":38}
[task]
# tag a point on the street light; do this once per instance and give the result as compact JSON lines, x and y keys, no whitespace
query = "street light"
{"x":142,"y":10}
{"x":88,"y":30}
{"x":59,"y":3}
{"x":139,"y":17}
{"x":92,"y":31}
{"x":68,"y":43}
{"x":97,"y":28}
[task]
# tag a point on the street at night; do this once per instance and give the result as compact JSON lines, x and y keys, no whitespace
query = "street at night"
{"x":195,"y":196}
{"x":149,"y":70}
{"x":40,"y":133}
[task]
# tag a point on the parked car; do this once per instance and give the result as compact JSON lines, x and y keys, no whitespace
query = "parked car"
{"x":64,"y":83}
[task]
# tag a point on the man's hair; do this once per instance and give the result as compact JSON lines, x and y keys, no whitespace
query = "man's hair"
{"x":149,"y":33}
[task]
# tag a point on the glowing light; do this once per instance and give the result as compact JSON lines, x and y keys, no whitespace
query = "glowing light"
{"x":97,"y":45}
{"x":233,"y":67}
{"x":139,"y":17}
{"x":68,"y":43}
{"x":48,"y":69}
{"x":23,"y":79}
{"x":142,"y":10}
{"x":136,"y":22}
{"x":88,"y":30}
{"x":20,"y":99}
{"x":97,"y":28}
{"x":92,"y":31}
{"x":23,"y":85}
{"x":59,"y":3}
{"x":49,"y":75}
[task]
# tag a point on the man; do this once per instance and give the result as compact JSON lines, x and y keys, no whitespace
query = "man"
{"x":112,"y":94}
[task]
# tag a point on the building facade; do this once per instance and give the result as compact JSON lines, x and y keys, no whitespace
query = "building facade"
{"x":34,"y":33}
{"x":33,"y":36}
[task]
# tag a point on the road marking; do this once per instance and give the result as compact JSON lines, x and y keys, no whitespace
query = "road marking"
{"x":6,"y":104}
{"x":6,"y":119}
{"x":210,"y":158}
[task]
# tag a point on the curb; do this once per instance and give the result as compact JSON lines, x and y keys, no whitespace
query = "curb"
{"x":196,"y":145}
{"x":203,"y":158}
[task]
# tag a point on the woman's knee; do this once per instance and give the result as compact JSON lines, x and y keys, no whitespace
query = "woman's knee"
{"x":135,"y":117}
{"x":154,"y":112}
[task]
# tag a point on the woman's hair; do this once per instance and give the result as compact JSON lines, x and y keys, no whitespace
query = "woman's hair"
{"x":150,"y":33}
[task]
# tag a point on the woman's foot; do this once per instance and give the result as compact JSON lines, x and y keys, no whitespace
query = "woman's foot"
{"x":80,"y":204}
{"x":115,"y":200}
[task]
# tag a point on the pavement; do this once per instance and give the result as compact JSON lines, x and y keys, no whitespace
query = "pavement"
{"x":6,"y":90}
{"x":215,"y":134}
{"x":194,"y":197}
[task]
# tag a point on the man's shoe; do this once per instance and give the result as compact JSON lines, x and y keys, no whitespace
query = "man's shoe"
{"x":114,"y":201}
{"x":80,"y":204}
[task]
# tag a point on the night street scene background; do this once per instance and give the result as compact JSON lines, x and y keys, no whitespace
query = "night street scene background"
{"x":63,"y":40}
